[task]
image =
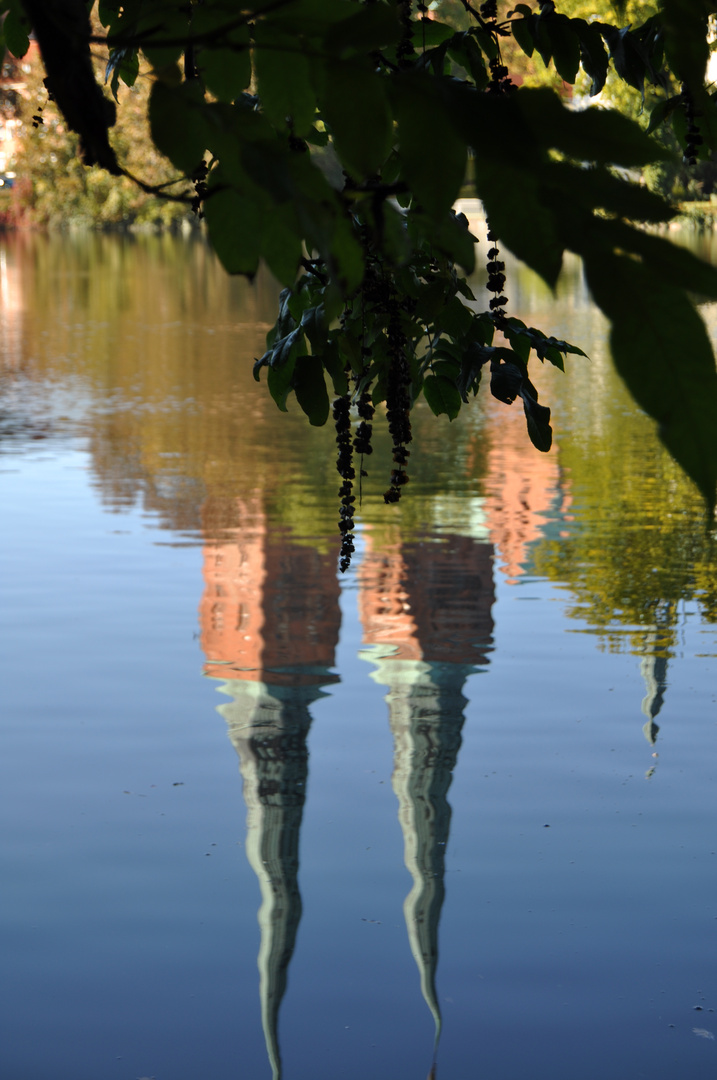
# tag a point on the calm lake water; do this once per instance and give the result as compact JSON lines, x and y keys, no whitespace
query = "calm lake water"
{"x":453,"y":809}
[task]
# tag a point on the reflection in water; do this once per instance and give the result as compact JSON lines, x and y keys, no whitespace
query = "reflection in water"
{"x":145,"y":348}
{"x":269,"y":726}
{"x":653,"y":668}
{"x":426,"y":616}
{"x":270,"y":621}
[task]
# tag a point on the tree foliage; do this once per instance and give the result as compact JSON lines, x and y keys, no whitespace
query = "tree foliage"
{"x":330,"y":138}
{"x":56,"y":189}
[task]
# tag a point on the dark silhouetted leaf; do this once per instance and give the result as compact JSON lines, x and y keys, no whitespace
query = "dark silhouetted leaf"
{"x":310,"y":388}
{"x":565,"y":47}
{"x":179,"y":123}
{"x":442,"y":396}
{"x":538,"y":420}
{"x":284,"y":83}
{"x":432,"y":153}
{"x":662,"y":351}
{"x":353,"y":103}
{"x":506,"y":380}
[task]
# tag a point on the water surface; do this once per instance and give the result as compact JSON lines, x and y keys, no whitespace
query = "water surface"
{"x":453,"y":809}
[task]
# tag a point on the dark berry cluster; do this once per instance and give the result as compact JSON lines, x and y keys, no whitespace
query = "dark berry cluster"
{"x":362,"y":438}
{"x":345,"y":469}
{"x":199,"y":176}
{"x":500,"y":82}
{"x":398,"y":403}
{"x":496,"y":282}
{"x":489,"y":10}
{"x":694,"y":139}
{"x":405,"y":49}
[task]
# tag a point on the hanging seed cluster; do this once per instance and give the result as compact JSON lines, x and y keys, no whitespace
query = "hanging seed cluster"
{"x":404,"y":48}
{"x":364,"y":431}
{"x":398,"y":402}
{"x":496,"y":282}
{"x":694,"y":139}
{"x":345,"y":469}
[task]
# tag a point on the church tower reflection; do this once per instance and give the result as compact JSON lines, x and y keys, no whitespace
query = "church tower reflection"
{"x":425,"y":610}
{"x":269,"y":628}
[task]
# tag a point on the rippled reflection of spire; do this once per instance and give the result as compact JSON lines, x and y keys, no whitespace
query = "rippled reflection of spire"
{"x":653,"y":668}
{"x":426,"y":706}
{"x":268,"y":726}
{"x":270,"y":621}
{"x":426,"y":614}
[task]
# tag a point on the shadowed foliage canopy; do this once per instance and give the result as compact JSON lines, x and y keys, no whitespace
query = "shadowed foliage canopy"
{"x":330,"y":139}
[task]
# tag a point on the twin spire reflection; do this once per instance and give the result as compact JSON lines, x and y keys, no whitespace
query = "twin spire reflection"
{"x":270,"y":625}
{"x":270,"y":621}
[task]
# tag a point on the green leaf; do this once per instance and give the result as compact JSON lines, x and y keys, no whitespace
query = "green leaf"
{"x":167,"y":21}
{"x":463,"y":49}
{"x":596,"y":188}
{"x":16,"y":29}
{"x":310,"y":388}
{"x":430,"y":300}
{"x":428,"y":33}
{"x":279,"y":380}
{"x":487,"y":41}
{"x":375,"y":25}
{"x":334,"y":364}
{"x":442,"y":396}
{"x":284,"y":83}
{"x":685,"y":25}
{"x":522,"y":338}
{"x":627,"y":55}
{"x":472,"y":360}
{"x":433,"y":154}
{"x":354,"y":105}
{"x":662,"y":351}
{"x":593,"y":54}
{"x":266,"y":162}
{"x":287,"y":349}
{"x":541,"y":32}
{"x":660,"y":112}
{"x":523,"y":33}
{"x":449,"y":235}
{"x":675,"y":265}
{"x":179,"y":123}
{"x":600,"y":135}
{"x":538,"y":420}
{"x":122,"y":64}
{"x":565,"y":47}
{"x":235,"y":226}
{"x":280,"y":244}
{"x":519,"y":217}
{"x":454,"y":318}
{"x":225,"y":69}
